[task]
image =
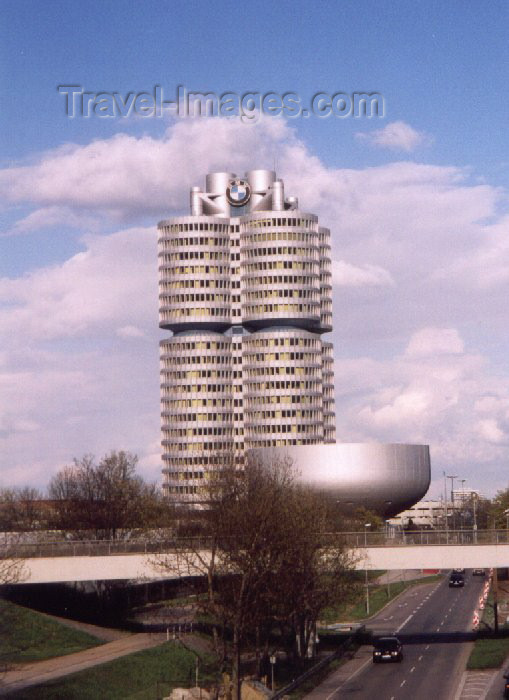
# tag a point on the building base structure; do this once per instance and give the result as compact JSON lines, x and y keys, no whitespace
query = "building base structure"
{"x":384,"y":478}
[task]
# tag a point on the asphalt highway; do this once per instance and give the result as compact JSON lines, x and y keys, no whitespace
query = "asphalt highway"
{"x":433,"y":622}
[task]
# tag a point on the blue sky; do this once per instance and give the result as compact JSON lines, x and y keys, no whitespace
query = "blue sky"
{"x":416,"y":200}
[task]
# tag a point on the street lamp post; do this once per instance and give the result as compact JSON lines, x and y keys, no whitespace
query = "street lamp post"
{"x":446,"y":508}
{"x":452,"y":477}
{"x":272,"y":664}
{"x":366,"y":525}
{"x":474,"y":503}
{"x":462,"y":501}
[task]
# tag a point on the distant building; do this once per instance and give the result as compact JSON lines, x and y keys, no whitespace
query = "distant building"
{"x":424,"y":514}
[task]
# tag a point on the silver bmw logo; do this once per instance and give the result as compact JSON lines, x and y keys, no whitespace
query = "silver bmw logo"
{"x":238,"y":192}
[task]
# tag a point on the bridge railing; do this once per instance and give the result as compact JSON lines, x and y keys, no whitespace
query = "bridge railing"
{"x":93,"y":548}
{"x":422,"y":537}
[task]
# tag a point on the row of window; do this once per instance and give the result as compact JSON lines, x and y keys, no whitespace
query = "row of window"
{"x":273,"y":429}
{"x":308,"y":385}
{"x":169,"y":400}
{"x":285,"y":413}
{"x":166,"y":258}
{"x":252,"y":374}
{"x":207,"y":388}
{"x":253,"y":402}
{"x":167,"y":243}
{"x":194,"y":417}
{"x":300,"y":280}
{"x":214,"y":460}
{"x":200,"y":446}
{"x":166,"y":285}
{"x":170,"y":433}
{"x":200,"y":226}
{"x":258,"y":237}
{"x":222,"y":311}
{"x":308,"y":252}
{"x":192,"y":360}
{"x":216,"y":297}
{"x":278,"y":221}
{"x":249,"y":268}
{"x":194,"y":270}
{"x":256,"y":309}
{"x":187,"y":375}
{"x":249,"y":416}
{"x":283,"y":293}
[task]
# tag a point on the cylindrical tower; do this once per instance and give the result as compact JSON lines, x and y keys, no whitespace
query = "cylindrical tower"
{"x":194,"y":274}
{"x":244,"y":286}
{"x":282,"y":388}
{"x":280,"y":268}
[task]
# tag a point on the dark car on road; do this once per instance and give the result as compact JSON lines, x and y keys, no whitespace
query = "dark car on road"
{"x":387,"y":649}
{"x":456,"y":580}
{"x":478,"y":572}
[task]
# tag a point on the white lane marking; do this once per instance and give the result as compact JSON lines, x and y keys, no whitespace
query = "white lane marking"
{"x":438,"y":629}
{"x":404,"y":623}
{"x":426,"y":648}
{"x":402,"y":684}
{"x":420,"y":658}
{"x":412,"y":669}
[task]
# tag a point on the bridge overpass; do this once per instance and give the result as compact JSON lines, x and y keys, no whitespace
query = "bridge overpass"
{"x":57,"y":562}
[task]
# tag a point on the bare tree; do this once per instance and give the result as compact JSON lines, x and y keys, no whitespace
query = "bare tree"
{"x":265,"y":560}
{"x":107,"y":499}
{"x":20,"y":509}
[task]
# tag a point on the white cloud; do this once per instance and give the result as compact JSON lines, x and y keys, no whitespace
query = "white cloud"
{"x":420,"y":273}
{"x":347,"y":275}
{"x":127,"y":176}
{"x":435,"y":341}
{"x":130,"y":332}
{"x":397,"y":136}
{"x":490,"y":431}
{"x":113,"y":280}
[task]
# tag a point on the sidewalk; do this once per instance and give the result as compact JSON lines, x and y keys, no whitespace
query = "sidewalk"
{"x":42,"y":671}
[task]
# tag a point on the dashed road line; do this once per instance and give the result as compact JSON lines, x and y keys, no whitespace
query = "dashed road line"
{"x":404,"y":623}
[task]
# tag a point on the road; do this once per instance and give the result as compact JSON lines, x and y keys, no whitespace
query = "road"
{"x":434,"y":623}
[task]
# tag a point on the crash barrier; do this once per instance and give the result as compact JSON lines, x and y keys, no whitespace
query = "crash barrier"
{"x":323,"y":663}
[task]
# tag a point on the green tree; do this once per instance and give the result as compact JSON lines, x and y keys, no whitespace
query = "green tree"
{"x":498,"y":507}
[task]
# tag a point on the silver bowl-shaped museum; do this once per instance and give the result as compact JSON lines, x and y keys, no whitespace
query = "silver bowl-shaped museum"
{"x":386,"y":479}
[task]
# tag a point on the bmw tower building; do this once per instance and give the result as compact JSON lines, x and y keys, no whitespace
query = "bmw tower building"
{"x":245,"y":289}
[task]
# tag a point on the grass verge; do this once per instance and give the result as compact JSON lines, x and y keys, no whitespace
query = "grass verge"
{"x":26,"y":635}
{"x":379,"y":595}
{"x":144,"y":675}
{"x":488,"y":653}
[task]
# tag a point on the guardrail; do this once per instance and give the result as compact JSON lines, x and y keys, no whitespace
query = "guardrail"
{"x":359,"y":540}
{"x":424,"y":537}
